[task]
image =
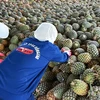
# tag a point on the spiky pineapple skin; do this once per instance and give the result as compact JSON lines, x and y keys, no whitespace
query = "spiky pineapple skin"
{"x":70,"y":78}
{"x":88,"y":76}
{"x":79,"y":87}
{"x":65,"y":67}
{"x":62,"y":76}
{"x":56,"y":92}
{"x":92,"y":49}
{"x":94,"y":94}
{"x":69,"y":95}
{"x":96,"y":69}
{"x":67,"y":43}
{"x":77,"y":68}
{"x":84,"y":57}
{"x":59,"y":37}
{"x":48,"y":76}
{"x":43,"y":88}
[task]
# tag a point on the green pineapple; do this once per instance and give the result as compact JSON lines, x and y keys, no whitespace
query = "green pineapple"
{"x":48,"y":76}
{"x":78,"y":51}
{"x":65,"y":67}
{"x":76,"y":44}
{"x":77,"y":68}
{"x":56,"y":69}
{"x":43,"y":88}
{"x":53,"y":64}
{"x":67,"y":43}
{"x":88,"y":76}
{"x":72,"y":34}
{"x":62,"y":76}
{"x":94,"y":94}
{"x":68,"y":28}
{"x":14,"y":39}
{"x":84,"y":57}
{"x":59,"y":44}
{"x":57,"y":92}
{"x":92,"y":49}
{"x":69,"y":95}
{"x":70,"y":78}
{"x":96,"y":30}
{"x":75,"y":26}
{"x":79,"y":87}
{"x":96,"y":69}
{"x":72,"y":59}
{"x":59,"y":37}
{"x":86,"y":24}
{"x":12,"y":46}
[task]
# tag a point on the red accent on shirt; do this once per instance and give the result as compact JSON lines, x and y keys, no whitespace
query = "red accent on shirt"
{"x":24,"y":50}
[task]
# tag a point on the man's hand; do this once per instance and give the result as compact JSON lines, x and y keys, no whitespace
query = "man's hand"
{"x":67,"y":51}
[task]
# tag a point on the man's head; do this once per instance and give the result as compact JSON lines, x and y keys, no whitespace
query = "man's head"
{"x":46,"y":32}
{"x":4,"y":31}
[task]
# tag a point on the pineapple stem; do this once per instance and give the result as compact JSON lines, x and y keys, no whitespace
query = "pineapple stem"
{"x":91,"y":89}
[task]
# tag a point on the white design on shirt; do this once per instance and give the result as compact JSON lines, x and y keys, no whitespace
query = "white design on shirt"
{"x":37,"y":49}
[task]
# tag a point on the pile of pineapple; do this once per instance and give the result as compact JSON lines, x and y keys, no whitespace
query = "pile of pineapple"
{"x":78,"y":25}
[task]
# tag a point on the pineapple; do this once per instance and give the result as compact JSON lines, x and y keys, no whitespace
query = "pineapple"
{"x":43,"y":88}
{"x":68,"y":28}
{"x":65,"y":67}
{"x":84,"y":57}
{"x":77,"y":68}
{"x":76,"y":44}
{"x":62,"y":76}
{"x":70,"y":78}
{"x":92,"y":49}
{"x":59,"y":44}
{"x":96,"y":69}
{"x":53,"y":64}
{"x":59,"y":37}
{"x":48,"y":76}
{"x":94,"y":94}
{"x":67,"y":43}
{"x":79,"y":87}
{"x":69,"y":95}
{"x":57,"y":92}
{"x":88,"y":76}
{"x":72,"y":59}
{"x":56,"y":69}
{"x":78,"y":51}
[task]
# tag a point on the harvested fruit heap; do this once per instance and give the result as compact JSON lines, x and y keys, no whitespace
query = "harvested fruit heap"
{"x":78,"y":25}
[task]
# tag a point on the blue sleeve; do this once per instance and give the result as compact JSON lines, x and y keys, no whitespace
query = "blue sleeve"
{"x":59,"y":56}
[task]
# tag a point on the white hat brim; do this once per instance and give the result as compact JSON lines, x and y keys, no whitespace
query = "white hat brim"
{"x":4,"y":31}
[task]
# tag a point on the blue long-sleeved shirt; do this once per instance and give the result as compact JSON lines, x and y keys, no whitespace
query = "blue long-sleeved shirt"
{"x":21,"y":71}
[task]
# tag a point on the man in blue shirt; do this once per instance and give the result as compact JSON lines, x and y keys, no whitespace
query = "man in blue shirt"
{"x":22,"y":69}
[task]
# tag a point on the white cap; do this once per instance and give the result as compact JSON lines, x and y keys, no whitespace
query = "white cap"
{"x":4,"y":30}
{"x":46,"y":31}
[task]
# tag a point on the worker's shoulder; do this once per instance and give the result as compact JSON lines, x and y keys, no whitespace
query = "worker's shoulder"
{"x":52,"y":47}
